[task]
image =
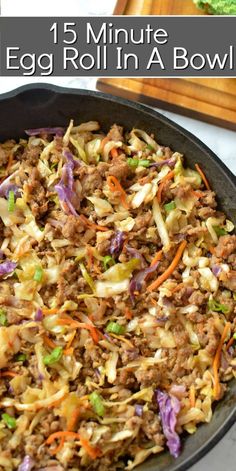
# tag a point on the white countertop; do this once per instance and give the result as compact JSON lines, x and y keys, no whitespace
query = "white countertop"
{"x":221,"y":141}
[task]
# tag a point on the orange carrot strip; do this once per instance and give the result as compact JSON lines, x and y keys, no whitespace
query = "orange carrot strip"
{"x":211,"y":249}
{"x":58,"y":448}
{"x":93,"y":331}
{"x":91,"y":224}
{"x":68,"y":351}
{"x":168,"y":177}
{"x":114,"y":152}
{"x":178,"y":287}
{"x":216,"y":362}
{"x":49,"y":342}
{"x":203,"y":176}
{"x":153,"y":301}
{"x":230,"y":343}
{"x":12,"y":374}
{"x":115,"y":185}
{"x":128,"y":314}
{"x":73,"y":419}
{"x":156,"y":258}
{"x":50,"y":311}
{"x":192,"y":396}
{"x":10,"y":162}
{"x":69,"y":343}
{"x":69,"y":322}
{"x":90,"y":257}
{"x":92,"y":451}
{"x":168,"y":272}
{"x":62,"y":434}
{"x":198,"y":194}
{"x":104,"y":141}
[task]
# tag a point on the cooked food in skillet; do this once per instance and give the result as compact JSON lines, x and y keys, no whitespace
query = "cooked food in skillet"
{"x":217,"y":7}
{"x":118,"y":299}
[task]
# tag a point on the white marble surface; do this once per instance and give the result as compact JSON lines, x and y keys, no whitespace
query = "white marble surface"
{"x":221,"y":141}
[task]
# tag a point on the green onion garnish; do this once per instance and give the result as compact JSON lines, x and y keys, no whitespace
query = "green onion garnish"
{"x":38,"y":274}
{"x":219,"y":231}
{"x":132,"y":162}
{"x":169,"y":206}
{"x":53,"y":357}
{"x":217,"y":307}
{"x":11,"y":201}
{"x":97,"y":403}
{"x":20,"y":357}
{"x":108,"y":261}
{"x":9,"y":421}
{"x":115,"y":328}
{"x":3,"y":317}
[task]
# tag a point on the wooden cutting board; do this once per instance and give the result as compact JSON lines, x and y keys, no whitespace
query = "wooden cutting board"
{"x":212,"y":100}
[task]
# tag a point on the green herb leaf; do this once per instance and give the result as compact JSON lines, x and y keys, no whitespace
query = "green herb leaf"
{"x":169,"y":206}
{"x":20,"y":357}
{"x":115,"y":328}
{"x":38,"y":274}
{"x":9,"y":421}
{"x":219,"y":231}
{"x":217,"y":307}
{"x":53,"y":357}
{"x":108,"y":261}
{"x":11,"y":201}
{"x":3,"y":317}
{"x":97,"y":403}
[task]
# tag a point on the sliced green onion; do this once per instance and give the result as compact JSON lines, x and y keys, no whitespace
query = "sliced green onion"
{"x":219,"y":231}
{"x":234,"y":336}
{"x":108,"y":261}
{"x":3,"y":317}
{"x":53,"y":357}
{"x":9,"y":421}
{"x":97,"y":403}
{"x":169,"y":206}
{"x":144,"y":163}
{"x":38,"y":274}
{"x":115,"y":328}
{"x":132,"y":162}
{"x":11,"y":201}
{"x":53,"y":165}
{"x":20,"y":357}
{"x":87,"y":277}
{"x":217,"y":307}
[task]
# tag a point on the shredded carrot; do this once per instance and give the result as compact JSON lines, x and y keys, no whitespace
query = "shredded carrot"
{"x":49,"y":342}
{"x":69,"y":343}
{"x":216,"y":362}
{"x":90,"y":257}
{"x":167,"y":273}
{"x":168,"y":177}
{"x":10,"y":162}
{"x":192,"y":396}
{"x":153,"y":301}
{"x":203,"y":176}
{"x":104,"y":141}
{"x":12,"y":374}
{"x":230,"y":343}
{"x":68,"y":351}
{"x":122,"y":339}
{"x":178,"y":287}
{"x":92,"y":451}
{"x":156,"y":258}
{"x":211,"y":249}
{"x":91,"y":224}
{"x":198,"y":194}
{"x":93,"y":330}
{"x":128,"y":314}
{"x":73,"y":419}
{"x":54,"y":310}
{"x":62,"y":434}
{"x":115,"y":185}
{"x":114,"y":152}
{"x":59,"y":447}
{"x":69,"y":322}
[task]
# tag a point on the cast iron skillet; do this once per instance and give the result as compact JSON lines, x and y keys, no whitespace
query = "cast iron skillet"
{"x":46,"y":105}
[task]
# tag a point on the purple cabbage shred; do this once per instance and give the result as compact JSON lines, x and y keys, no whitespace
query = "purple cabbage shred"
{"x":169,"y":407}
{"x":117,"y":244}
{"x":27,"y":464}
{"x":7,"y":267}
{"x":58,"y":131}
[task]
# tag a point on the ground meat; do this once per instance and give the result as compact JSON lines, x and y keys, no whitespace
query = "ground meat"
{"x":205,"y":212}
{"x":37,"y":194}
{"x":182,"y":191}
{"x":70,"y":283}
{"x":209,"y":199}
{"x":226,"y":246}
{"x":142,"y":221}
{"x":72,"y":229}
{"x":119,"y":167}
{"x":31,"y":155}
{"x":208,"y":336}
{"x":103,"y":247}
{"x":115,"y":133}
{"x":151,"y":426}
{"x":90,"y":181}
{"x":3,"y":157}
{"x":198,"y":298}
{"x":229,"y":280}
{"x":150,"y":377}
{"x":102,"y":168}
